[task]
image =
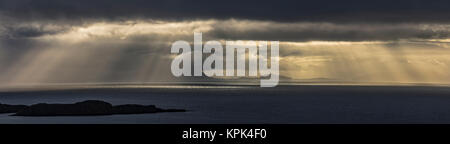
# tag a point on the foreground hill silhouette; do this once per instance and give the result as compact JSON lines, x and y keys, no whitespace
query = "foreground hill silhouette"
{"x":85,"y":108}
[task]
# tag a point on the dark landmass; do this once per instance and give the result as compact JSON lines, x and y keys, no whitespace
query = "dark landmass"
{"x":5,"y":108}
{"x":85,"y":108}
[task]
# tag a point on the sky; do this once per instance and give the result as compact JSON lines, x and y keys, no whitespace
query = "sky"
{"x":107,"y":41}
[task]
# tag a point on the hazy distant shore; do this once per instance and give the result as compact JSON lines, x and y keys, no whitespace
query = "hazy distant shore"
{"x":202,"y":84}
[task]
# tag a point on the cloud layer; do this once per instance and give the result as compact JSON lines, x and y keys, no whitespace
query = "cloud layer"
{"x":238,"y":30}
{"x":280,"y":10}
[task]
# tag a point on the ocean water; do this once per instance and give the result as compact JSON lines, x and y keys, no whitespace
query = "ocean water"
{"x":248,"y":104}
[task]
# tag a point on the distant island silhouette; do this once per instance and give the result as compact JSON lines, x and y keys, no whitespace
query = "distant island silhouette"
{"x":85,"y":108}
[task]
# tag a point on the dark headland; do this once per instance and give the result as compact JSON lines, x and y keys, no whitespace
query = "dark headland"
{"x":85,"y":108}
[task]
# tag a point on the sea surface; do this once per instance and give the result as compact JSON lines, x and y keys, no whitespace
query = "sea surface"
{"x":289,"y":104}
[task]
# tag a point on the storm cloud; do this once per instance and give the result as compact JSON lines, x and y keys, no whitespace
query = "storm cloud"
{"x":280,"y":10}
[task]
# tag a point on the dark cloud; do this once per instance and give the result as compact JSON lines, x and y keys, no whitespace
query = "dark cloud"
{"x":345,"y":20}
{"x":29,"y":31}
{"x":279,"y":10}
